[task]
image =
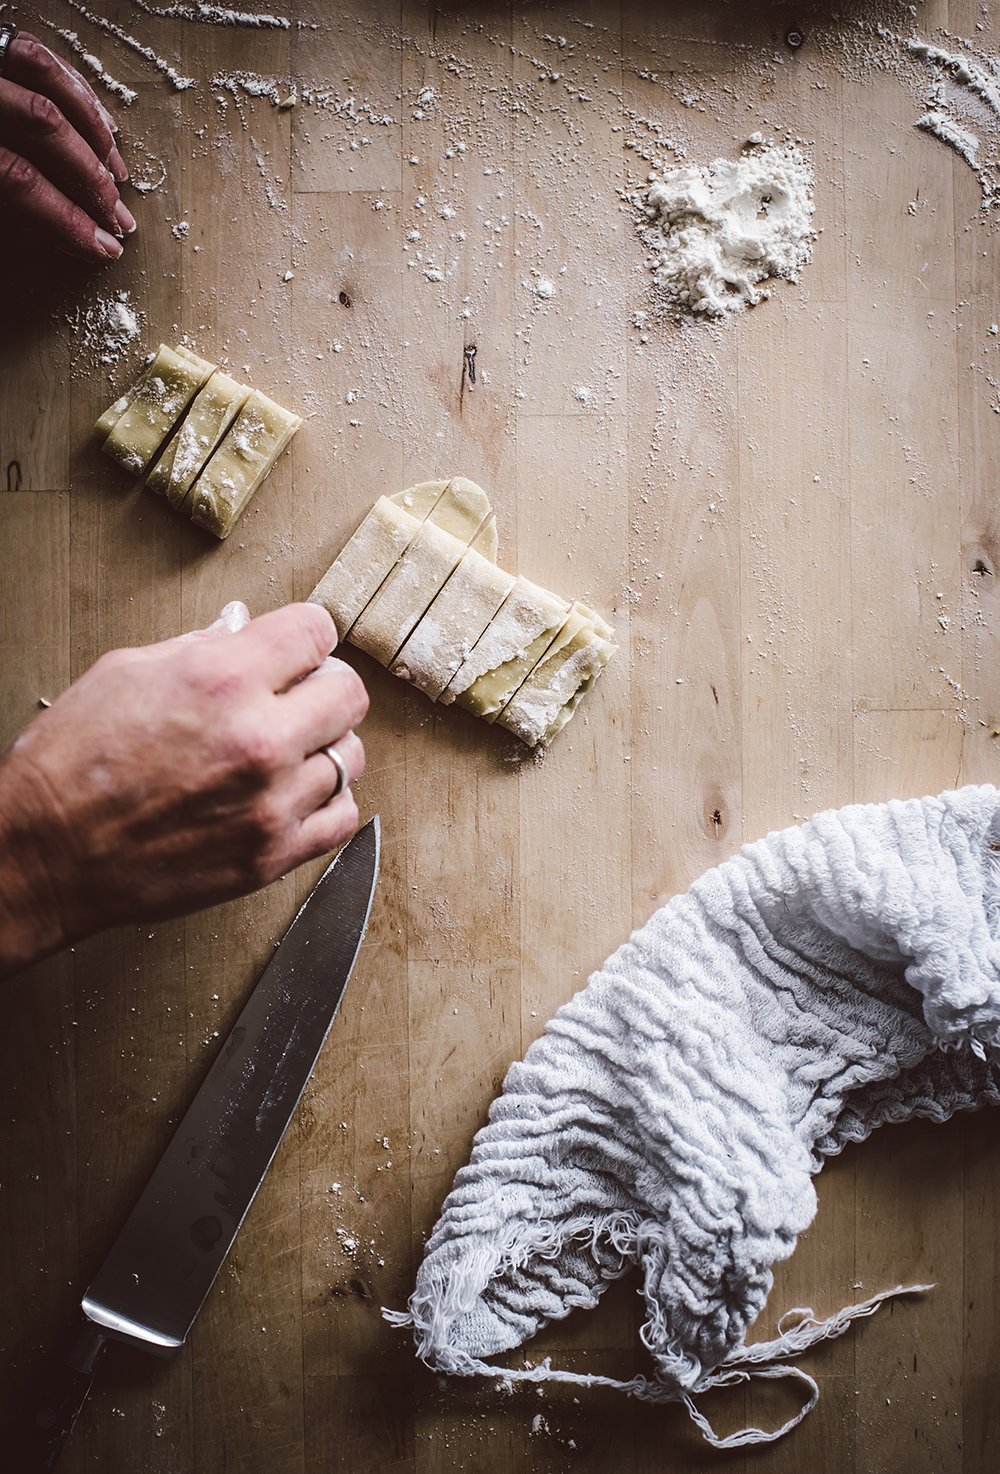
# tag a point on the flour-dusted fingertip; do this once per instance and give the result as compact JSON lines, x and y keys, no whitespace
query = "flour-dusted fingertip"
{"x":125,"y":218}
{"x":233,"y":616}
{"x":107,"y":244}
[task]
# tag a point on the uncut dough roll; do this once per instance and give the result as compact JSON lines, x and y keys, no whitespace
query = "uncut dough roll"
{"x":508,"y":650}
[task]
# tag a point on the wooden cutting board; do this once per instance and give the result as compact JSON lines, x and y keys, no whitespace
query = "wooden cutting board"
{"x":789,"y":519}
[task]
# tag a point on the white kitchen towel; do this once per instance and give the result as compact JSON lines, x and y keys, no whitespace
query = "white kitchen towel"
{"x":829,"y":978}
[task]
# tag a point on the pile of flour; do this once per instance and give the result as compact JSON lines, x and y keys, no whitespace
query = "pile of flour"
{"x":715,"y":232}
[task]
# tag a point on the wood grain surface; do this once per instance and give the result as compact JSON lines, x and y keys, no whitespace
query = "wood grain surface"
{"x":790,"y":520}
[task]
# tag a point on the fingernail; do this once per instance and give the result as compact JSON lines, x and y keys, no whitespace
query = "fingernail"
{"x":107,"y":244}
{"x":116,"y":167}
{"x":125,"y":218}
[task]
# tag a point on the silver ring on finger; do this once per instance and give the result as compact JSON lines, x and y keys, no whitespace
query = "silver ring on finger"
{"x":8,"y":33}
{"x":343,"y":781}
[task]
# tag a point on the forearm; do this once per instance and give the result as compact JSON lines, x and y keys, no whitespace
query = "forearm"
{"x":30,"y":924}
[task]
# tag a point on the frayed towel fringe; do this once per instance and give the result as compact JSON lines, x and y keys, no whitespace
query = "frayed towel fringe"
{"x":764,"y":1359}
{"x":829,"y":979}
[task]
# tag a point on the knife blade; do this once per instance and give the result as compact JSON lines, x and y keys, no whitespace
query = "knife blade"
{"x":154,"y":1281}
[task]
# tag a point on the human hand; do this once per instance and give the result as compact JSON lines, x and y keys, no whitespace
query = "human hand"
{"x":174,"y":776}
{"x":59,"y":166}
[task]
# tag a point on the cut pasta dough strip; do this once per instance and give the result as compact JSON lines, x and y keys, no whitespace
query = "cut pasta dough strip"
{"x":107,"y":422}
{"x":508,"y":650}
{"x":162,"y":395}
{"x":421,"y":499}
{"x":454,"y":622}
{"x":363,"y":565}
{"x":547,"y":699}
{"x":213,"y":411}
{"x":412,"y":585}
{"x":464,"y":510}
{"x":257,"y":437}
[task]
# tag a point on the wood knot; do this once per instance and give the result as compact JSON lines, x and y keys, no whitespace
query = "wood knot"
{"x":716,"y":817}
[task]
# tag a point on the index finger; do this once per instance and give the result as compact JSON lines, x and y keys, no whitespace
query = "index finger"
{"x":287,"y":644}
{"x":31,"y":64}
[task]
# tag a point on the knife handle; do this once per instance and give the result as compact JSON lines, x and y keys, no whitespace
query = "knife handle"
{"x":49,"y":1415}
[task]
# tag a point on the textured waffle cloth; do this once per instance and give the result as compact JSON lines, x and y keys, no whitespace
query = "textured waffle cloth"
{"x":828,"y":979}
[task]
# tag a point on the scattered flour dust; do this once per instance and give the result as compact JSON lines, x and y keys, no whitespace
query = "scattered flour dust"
{"x":104,"y":331}
{"x":179,"y":83}
{"x":217,"y":15}
{"x":147,"y":172}
{"x":117,"y":89}
{"x":715,"y":232}
{"x":963,"y":109}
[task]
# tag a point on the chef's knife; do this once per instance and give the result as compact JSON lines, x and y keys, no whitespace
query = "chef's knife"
{"x":154,"y":1281}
